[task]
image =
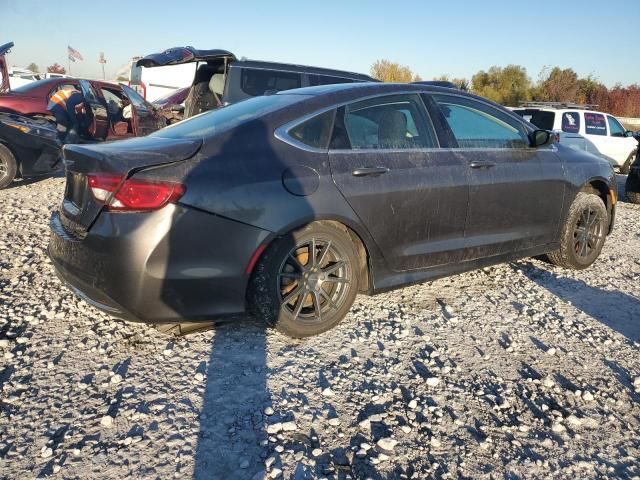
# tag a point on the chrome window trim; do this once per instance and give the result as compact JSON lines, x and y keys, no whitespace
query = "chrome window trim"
{"x":282,"y":132}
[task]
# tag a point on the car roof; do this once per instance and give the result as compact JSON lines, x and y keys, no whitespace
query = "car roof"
{"x":374,"y":88}
{"x":559,"y":110}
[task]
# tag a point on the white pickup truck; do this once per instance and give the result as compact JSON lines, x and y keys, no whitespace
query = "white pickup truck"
{"x":578,"y":126}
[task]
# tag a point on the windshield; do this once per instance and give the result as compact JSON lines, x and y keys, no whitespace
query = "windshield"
{"x":226,"y":118}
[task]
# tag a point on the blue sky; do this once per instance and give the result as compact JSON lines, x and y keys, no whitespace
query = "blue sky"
{"x":433,"y":38}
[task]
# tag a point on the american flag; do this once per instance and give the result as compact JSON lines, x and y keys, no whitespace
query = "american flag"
{"x":74,"y":54}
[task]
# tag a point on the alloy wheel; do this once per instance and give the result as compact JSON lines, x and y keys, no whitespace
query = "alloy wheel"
{"x":587,"y":233}
{"x":313,"y":280}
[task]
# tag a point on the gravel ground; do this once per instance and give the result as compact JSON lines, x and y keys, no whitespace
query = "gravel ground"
{"x":522,"y":370}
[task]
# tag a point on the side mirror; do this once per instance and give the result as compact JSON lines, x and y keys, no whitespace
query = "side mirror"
{"x":539,"y":138}
{"x":629,"y":133}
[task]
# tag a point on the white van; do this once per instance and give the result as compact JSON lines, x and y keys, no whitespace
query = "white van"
{"x":580,"y":127}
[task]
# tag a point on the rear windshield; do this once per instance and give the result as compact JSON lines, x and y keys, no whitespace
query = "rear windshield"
{"x":540,"y":118}
{"x":217,"y":121}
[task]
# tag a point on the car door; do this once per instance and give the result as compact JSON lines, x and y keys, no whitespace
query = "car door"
{"x":98,"y":118}
{"x":410,"y":195}
{"x":515,"y":192}
{"x":621,"y":145}
{"x":596,"y":133}
{"x":146,"y":118}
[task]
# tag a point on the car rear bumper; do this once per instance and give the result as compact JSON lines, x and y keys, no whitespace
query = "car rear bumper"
{"x":172,"y":265}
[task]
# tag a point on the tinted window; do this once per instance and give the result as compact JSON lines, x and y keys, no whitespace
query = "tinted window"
{"x":571,"y":122}
{"x":223,"y":119}
{"x":88,"y":92}
{"x":258,"y":82}
{"x":477,"y":125}
{"x":389,"y":122}
{"x":314,"y":132}
{"x":615,"y":129}
{"x":315,"y":80}
{"x":540,"y":118}
{"x":594,"y":124}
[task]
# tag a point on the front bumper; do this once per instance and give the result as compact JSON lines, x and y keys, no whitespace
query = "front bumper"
{"x":173,"y":265}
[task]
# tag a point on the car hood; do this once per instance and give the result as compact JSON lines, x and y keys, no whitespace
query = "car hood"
{"x":4,"y":72}
{"x":179,"y":55}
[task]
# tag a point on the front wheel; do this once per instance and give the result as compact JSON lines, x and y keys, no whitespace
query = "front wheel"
{"x":583,"y":233}
{"x":306,"y":281}
{"x":8,"y":167}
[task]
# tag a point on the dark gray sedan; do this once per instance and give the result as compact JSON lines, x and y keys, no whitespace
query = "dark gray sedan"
{"x":289,"y":205}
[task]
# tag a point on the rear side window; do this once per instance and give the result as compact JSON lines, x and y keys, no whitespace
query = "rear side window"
{"x":388,"y":122}
{"x":314,"y":132}
{"x":571,"y":122}
{"x":477,"y":125}
{"x":258,"y":82}
{"x":615,"y":129}
{"x":540,"y":118}
{"x":594,"y":124}
{"x":315,"y":80}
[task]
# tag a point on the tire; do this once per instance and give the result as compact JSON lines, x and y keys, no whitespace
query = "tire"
{"x":301,"y":299}
{"x":624,"y":169}
{"x":632,"y":187}
{"x":8,"y":167}
{"x":583,"y":233}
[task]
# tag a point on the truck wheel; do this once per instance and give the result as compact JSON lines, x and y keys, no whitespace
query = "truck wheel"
{"x":306,"y":282}
{"x":583,"y":233}
{"x":8,"y":167}
{"x":624,"y":169}
{"x":632,"y":187}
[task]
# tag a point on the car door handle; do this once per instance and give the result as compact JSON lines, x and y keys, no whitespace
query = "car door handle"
{"x":364,"y":171}
{"x":482,"y":164}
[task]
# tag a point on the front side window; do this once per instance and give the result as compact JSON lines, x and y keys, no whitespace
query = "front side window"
{"x":314,"y":132}
{"x":571,"y":122}
{"x":389,"y":122}
{"x":477,"y":125}
{"x":594,"y":124}
{"x":258,"y":82}
{"x":615,"y":129}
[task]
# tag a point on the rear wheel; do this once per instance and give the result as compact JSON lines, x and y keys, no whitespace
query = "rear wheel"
{"x":8,"y":167}
{"x":632,"y":187}
{"x":307,"y":281}
{"x":624,"y":169}
{"x":583,"y":233}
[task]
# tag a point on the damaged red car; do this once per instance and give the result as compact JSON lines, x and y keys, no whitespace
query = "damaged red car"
{"x":28,"y":146}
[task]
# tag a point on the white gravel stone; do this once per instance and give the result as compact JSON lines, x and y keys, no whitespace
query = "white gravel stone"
{"x":433,"y":381}
{"x":106,"y":421}
{"x":387,"y":444}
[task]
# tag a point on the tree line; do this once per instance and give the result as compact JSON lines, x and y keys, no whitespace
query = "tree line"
{"x":511,"y":85}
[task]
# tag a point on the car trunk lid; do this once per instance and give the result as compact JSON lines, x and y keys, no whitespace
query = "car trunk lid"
{"x":125,"y":158}
{"x":4,"y":71}
{"x":180,"y":55}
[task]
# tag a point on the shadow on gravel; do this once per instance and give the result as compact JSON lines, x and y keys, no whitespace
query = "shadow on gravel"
{"x":236,"y":393}
{"x":615,"y":309}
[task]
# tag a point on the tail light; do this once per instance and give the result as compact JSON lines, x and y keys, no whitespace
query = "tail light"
{"x":133,"y":194}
